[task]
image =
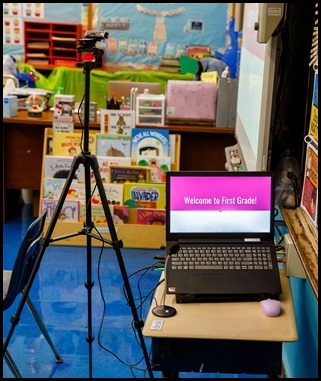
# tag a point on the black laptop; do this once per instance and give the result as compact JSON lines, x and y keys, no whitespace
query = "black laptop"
{"x":220,"y":236}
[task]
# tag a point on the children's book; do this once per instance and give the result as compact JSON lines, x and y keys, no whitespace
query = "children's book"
{"x":69,"y":211}
{"x":158,"y":166}
{"x":114,"y":193}
{"x":309,"y":199}
{"x":147,"y":216}
{"x":52,"y":187}
{"x":117,"y":122}
{"x":104,"y":163}
{"x":120,"y":213}
{"x":313,"y":127}
{"x":97,"y":213}
{"x":58,"y":167}
{"x":113,"y":145}
{"x":71,"y":143}
{"x":144,"y":195}
{"x":129,"y":174}
{"x":149,"y":142}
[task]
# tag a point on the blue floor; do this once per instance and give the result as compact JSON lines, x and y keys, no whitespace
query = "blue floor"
{"x":61,"y":297}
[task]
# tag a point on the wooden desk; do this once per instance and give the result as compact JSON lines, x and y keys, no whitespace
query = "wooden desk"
{"x":202,"y":148}
{"x":221,"y":337}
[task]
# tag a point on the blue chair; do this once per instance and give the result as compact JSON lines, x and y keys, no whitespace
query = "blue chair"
{"x":19,"y":282}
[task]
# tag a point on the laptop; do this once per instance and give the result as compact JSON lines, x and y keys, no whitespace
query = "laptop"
{"x":225,"y":222}
{"x":120,"y":89}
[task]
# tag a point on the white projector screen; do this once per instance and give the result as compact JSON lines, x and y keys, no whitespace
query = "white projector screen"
{"x":255,"y":94}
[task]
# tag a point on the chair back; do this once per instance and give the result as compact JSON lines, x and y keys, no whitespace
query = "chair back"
{"x":26,"y":259}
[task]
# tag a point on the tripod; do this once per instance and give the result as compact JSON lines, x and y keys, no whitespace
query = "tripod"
{"x":90,"y":162}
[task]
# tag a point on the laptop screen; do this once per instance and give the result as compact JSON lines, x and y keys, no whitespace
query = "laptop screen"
{"x":219,"y":205}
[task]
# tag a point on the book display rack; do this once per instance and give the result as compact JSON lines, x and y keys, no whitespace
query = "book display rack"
{"x":133,"y":235}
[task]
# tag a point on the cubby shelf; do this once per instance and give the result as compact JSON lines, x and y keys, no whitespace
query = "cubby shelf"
{"x":49,"y":44}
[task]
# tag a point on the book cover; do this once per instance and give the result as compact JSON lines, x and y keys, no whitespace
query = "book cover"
{"x":97,"y":213}
{"x":158,"y":166}
{"x":104,"y":162}
{"x":144,"y":195}
{"x":71,"y":143}
{"x":313,"y":127}
{"x":120,"y":213}
{"x":69,"y":211}
{"x":52,"y":187}
{"x":147,"y":216}
{"x":129,"y":174}
{"x":149,"y":142}
{"x":309,"y":199}
{"x":117,"y":122}
{"x":113,"y":145}
{"x":113,"y":192}
{"x":59,"y":167}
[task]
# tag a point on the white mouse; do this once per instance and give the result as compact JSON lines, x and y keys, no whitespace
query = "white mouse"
{"x":271,"y":307}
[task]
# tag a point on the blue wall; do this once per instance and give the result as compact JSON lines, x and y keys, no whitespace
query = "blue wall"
{"x":300,"y":358}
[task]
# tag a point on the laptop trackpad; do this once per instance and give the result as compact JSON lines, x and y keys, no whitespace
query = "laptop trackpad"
{"x":207,"y":283}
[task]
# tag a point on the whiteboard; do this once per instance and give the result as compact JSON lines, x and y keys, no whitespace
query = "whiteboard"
{"x":255,"y":94}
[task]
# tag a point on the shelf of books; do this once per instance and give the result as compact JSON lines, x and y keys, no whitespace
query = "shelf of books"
{"x":132,"y":169}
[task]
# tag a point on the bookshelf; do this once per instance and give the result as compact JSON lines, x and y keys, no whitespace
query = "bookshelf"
{"x":51,"y":44}
{"x":133,"y":235}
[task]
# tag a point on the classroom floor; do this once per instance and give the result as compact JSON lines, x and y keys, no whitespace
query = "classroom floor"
{"x":60,"y":295}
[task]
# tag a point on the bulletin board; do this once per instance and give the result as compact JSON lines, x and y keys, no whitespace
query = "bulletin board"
{"x":140,"y":34}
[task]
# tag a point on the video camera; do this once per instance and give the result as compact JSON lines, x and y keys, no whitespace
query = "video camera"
{"x":88,"y":45}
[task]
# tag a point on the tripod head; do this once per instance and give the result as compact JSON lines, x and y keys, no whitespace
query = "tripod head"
{"x":88,"y":45}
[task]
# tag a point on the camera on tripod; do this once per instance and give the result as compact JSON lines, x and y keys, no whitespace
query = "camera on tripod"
{"x":87,"y":45}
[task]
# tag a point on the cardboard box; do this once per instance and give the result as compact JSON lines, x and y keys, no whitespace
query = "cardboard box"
{"x":226,"y":102}
{"x":10,"y":106}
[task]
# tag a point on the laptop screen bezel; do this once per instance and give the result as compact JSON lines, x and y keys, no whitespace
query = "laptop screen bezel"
{"x":174,"y":236}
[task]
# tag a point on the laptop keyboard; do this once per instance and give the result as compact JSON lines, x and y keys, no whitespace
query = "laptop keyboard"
{"x":222,"y":258}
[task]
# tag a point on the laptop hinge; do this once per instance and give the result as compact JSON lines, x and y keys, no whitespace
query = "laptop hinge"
{"x":252,"y":239}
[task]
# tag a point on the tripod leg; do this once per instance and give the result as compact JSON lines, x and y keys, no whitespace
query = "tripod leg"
{"x":45,"y":242}
{"x":117,"y":244}
{"x":79,"y":159}
{"x":12,"y":365}
{"x":74,"y":166}
{"x":43,"y":330}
